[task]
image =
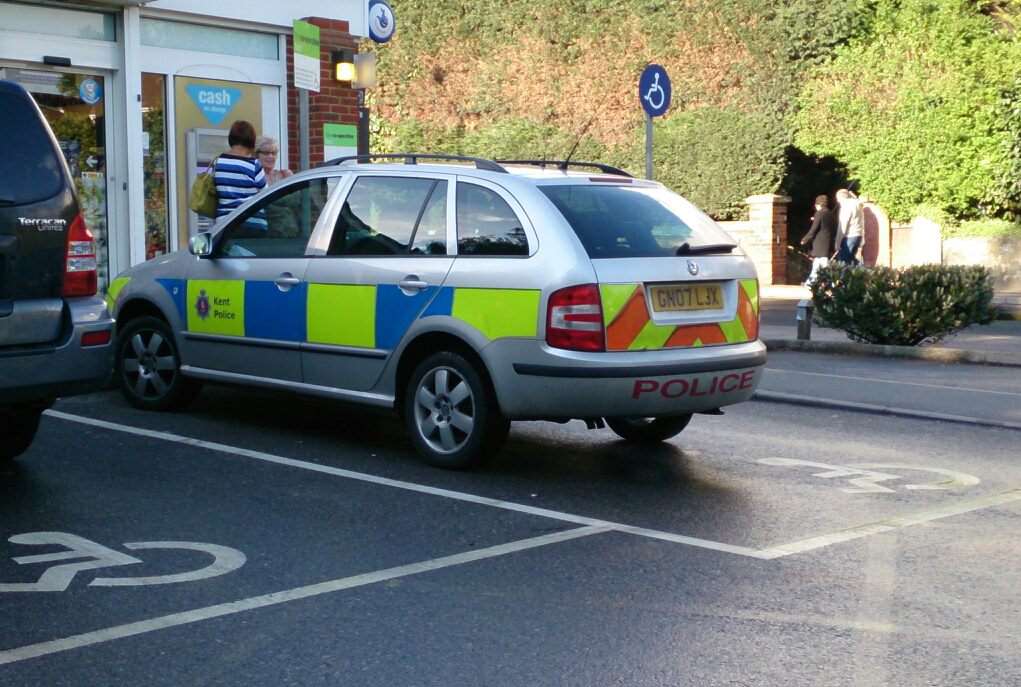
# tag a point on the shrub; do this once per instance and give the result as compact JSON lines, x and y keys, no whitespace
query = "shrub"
{"x":903,"y":307}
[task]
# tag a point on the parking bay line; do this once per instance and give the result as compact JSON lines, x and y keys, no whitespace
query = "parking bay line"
{"x":411,"y":486}
{"x":275,"y":598}
{"x":769,"y":553}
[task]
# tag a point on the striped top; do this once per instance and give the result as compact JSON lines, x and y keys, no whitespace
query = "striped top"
{"x":237,"y":179}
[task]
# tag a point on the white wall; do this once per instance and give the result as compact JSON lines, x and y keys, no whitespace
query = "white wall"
{"x":273,"y":12}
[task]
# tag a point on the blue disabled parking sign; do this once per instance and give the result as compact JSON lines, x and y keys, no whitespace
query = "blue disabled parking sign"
{"x":654,"y":90}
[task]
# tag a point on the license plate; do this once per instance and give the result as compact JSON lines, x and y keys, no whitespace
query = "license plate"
{"x":682,"y":297}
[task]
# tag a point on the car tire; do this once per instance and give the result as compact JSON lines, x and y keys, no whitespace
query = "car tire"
{"x":18,"y":426}
{"x":148,"y":366}
{"x":648,"y":430}
{"x":451,"y":413}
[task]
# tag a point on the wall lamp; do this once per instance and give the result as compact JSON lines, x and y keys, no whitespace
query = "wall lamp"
{"x":344,"y":65}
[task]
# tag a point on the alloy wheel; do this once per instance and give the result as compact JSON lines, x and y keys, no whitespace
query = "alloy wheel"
{"x":149,"y":364}
{"x":445,"y":411}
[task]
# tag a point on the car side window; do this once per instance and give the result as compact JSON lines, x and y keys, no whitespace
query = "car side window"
{"x":392,"y":216}
{"x":279,"y":226}
{"x":486,"y":225}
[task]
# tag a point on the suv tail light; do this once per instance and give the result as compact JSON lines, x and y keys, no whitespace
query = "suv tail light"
{"x":80,"y":277}
{"x":574,"y":319}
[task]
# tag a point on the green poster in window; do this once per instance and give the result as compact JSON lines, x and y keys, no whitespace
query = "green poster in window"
{"x":339,"y":140}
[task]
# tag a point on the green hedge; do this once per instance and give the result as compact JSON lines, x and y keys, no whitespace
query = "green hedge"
{"x":903,"y":307}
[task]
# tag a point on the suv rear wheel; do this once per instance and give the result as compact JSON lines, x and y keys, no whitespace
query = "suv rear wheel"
{"x":149,"y":366}
{"x":648,"y":429}
{"x":451,"y":414}
{"x":18,"y":425}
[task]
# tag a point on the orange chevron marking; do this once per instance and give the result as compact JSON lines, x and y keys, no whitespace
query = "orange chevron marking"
{"x":628,"y":323}
{"x":709,"y":334}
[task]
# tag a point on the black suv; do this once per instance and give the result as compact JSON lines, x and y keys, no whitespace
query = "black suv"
{"x":55,"y":330}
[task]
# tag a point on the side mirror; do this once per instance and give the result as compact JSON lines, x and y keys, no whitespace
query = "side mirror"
{"x":201,"y":245}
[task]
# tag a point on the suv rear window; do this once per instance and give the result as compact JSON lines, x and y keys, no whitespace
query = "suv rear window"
{"x":29,"y":165}
{"x":634,"y":221}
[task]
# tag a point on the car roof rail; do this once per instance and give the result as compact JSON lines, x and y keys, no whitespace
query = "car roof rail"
{"x":413,"y":158}
{"x":563,"y":165}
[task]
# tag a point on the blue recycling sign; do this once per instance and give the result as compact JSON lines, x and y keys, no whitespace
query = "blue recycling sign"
{"x":215,"y":102}
{"x":654,"y":90}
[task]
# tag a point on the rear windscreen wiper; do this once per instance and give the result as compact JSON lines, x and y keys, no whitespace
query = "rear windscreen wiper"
{"x":707,"y":249}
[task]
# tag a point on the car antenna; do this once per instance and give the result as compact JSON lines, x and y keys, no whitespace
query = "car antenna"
{"x":567,"y":160}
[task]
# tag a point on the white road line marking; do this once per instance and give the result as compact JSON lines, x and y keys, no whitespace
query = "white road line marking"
{"x":891,"y":524}
{"x":762,"y":554}
{"x":274,"y":598}
{"x":891,"y":381}
{"x":411,"y":486}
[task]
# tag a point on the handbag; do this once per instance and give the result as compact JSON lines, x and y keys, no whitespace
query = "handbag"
{"x":202,"y":198}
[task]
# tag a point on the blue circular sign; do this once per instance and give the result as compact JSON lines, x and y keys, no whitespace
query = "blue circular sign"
{"x":654,"y":90}
{"x":90,"y":91}
{"x":382,"y":22}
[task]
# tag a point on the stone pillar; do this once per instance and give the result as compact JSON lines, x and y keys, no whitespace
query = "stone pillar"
{"x":768,"y":248}
{"x":333,"y":103}
{"x":878,"y":238}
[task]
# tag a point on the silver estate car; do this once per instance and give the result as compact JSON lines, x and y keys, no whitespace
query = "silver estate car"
{"x":461,"y":292}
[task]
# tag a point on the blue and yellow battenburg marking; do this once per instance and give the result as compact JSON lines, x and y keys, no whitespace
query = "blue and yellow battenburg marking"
{"x":362,"y":316}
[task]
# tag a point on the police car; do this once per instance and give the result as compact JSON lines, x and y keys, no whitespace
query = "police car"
{"x":461,"y":292}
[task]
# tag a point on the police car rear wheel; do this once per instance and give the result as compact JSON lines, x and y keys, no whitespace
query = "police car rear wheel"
{"x":648,"y":429}
{"x":451,"y":414}
{"x":149,"y":366}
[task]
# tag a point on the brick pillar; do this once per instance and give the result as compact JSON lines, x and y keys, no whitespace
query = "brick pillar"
{"x":333,"y":103}
{"x":768,"y":213}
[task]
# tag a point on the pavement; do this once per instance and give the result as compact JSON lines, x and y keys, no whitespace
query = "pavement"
{"x":998,"y":343}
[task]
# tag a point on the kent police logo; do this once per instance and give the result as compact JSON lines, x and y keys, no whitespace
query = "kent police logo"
{"x":202,"y":304}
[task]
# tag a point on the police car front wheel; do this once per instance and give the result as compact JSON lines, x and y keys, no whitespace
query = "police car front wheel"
{"x":648,"y":429}
{"x":148,"y":366}
{"x":450,"y":412}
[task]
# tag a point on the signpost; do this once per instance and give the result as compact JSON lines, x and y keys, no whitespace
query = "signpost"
{"x":306,"y":77}
{"x":654,"y":93}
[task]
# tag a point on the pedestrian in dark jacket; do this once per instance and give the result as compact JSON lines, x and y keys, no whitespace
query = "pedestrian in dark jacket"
{"x":824,"y":229}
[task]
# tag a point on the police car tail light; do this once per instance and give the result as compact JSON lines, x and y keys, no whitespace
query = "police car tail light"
{"x":80,"y":277}
{"x":574,"y":319}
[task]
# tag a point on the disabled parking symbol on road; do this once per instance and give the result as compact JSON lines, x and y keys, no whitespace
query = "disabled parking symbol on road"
{"x":58,"y":578}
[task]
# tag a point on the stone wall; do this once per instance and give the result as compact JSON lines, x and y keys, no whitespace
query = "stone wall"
{"x":1000,"y":254}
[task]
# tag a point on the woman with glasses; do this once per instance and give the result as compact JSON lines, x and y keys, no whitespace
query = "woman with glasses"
{"x":266,"y":150}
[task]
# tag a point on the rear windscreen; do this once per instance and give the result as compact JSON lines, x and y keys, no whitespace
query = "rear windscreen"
{"x":616,"y":221}
{"x":29,"y":166}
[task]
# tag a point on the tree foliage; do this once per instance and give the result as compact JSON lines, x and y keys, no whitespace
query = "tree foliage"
{"x":919,"y":107}
{"x":530,"y":78}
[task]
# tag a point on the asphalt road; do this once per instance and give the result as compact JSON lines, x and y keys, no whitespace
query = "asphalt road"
{"x":776,"y":545}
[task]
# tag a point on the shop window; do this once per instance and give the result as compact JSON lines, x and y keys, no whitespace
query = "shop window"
{"x":58,"y":22}
{"x":161,"y":33}
{"x":154,"y":164}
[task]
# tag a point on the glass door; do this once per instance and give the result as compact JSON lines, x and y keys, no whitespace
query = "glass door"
{"x":75,"y":107}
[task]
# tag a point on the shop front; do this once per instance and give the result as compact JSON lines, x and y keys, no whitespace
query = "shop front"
{"x":140,"y":96}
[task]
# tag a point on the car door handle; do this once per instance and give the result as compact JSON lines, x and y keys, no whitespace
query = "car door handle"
{"x":286,"y":281}
{"x":412,"y":284}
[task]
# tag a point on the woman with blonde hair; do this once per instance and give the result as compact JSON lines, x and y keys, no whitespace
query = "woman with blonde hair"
{"x":266,"y":150}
